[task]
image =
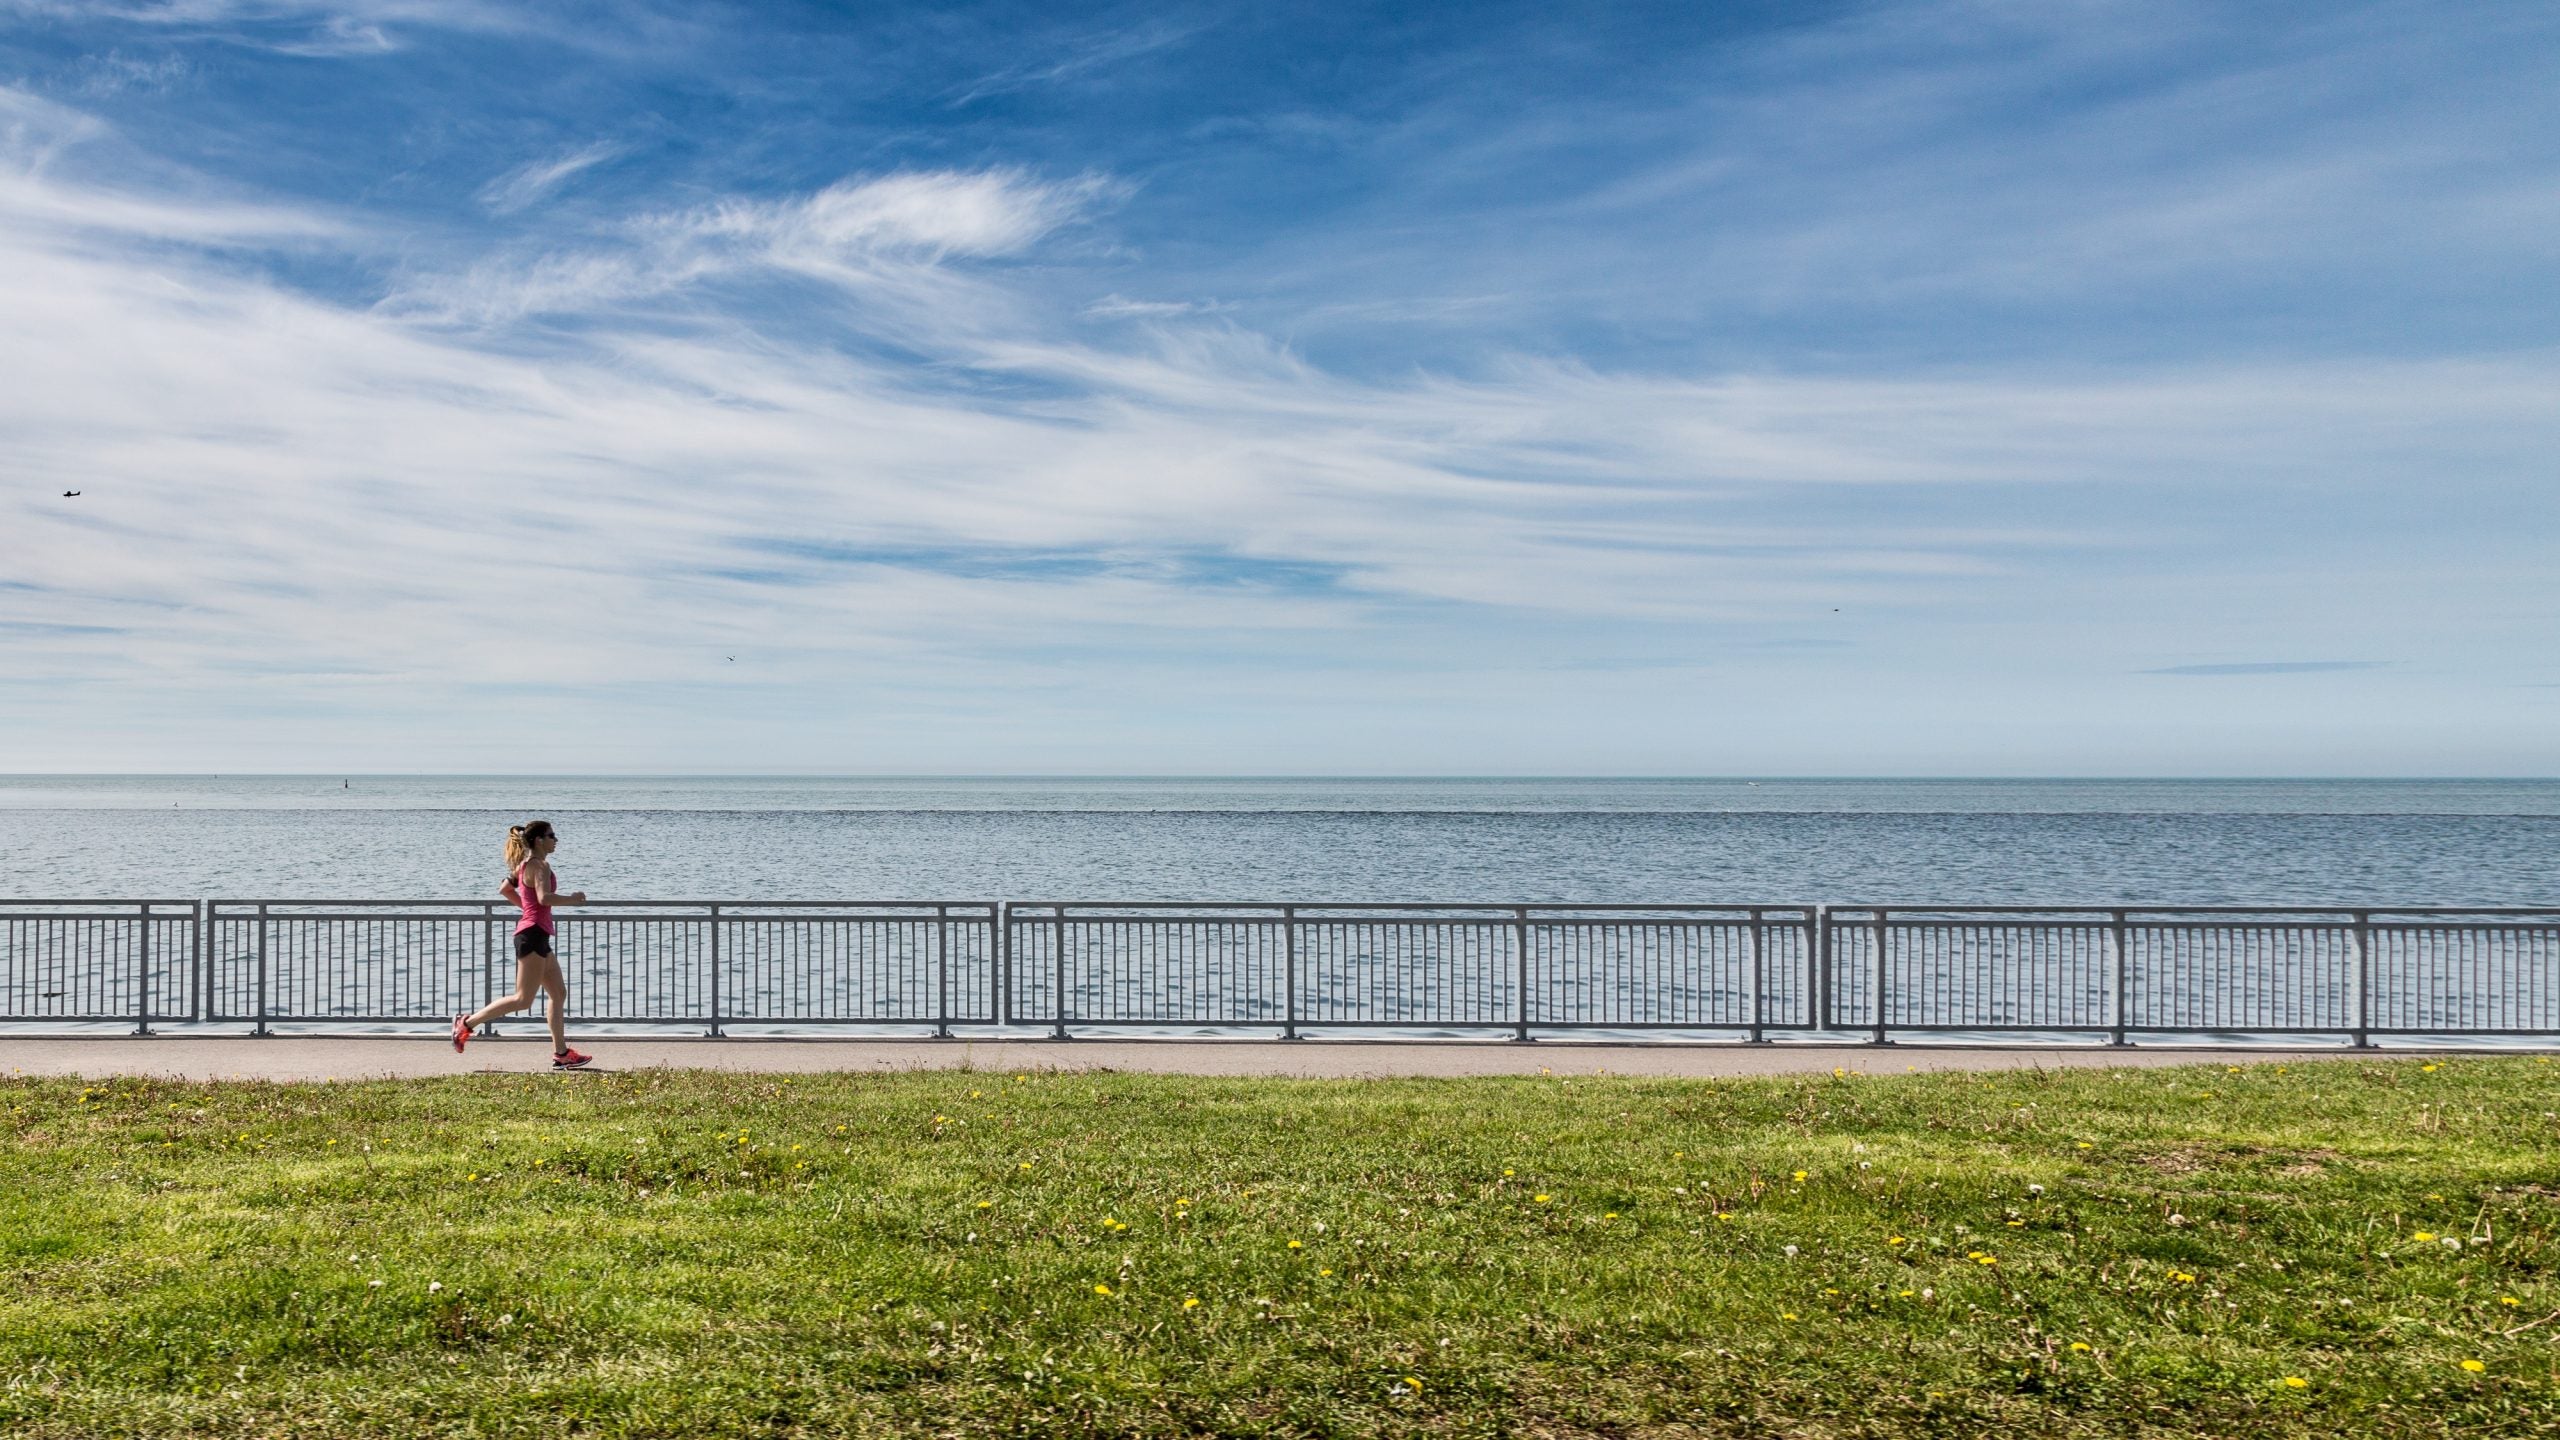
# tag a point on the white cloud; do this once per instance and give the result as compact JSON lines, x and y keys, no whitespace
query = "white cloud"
{"x":536,"y":179}
{"x":294,"y":508}
{"x":887,"y":239}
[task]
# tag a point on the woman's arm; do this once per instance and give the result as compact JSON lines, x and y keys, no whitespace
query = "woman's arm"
{"x":508,"y":890}
{"x":546,"y":889}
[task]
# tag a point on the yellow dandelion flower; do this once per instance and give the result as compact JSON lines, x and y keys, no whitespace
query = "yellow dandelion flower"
{"x":2474,"y":1366}
{"x":2079,"y":1347}
{"x":1416,"y":1384}
{"x":2084,"y":1145}
{"x":2509,"y":1300}
{"x":1297,"y":1245}
{"x":1894,"y":1240}
{"x":1800,"y":1177}
{"x":986,"y":1204}
{"x":1190,"y":1303}
{"x":1542,"y":1199}
{"x":1905,"y":1294}
{"x":2427,"y":1068}
{"x":1101,"y":1289}
{"x":2424,"y":1237}
{"x":1724,"y":1214}
{"x":1506,"y":1172}
{"x":2295,"y":1382}
{"x":1324,"y":1272}
{"x":2182,"y":1277}
{"x":1790,"y":1315}
{"x":1612,"y":1215}
{"x":1990,"y":1260}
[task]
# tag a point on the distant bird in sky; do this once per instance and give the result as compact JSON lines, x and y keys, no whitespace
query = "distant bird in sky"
{"x":733,"y":659}
{"x":67,"y":494}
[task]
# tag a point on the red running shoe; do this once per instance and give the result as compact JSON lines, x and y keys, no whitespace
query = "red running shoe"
{"x":461,"y":1032}
{"x":569,"y":1059}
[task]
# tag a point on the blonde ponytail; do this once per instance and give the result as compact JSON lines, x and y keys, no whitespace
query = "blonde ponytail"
{"x":522,"y":838}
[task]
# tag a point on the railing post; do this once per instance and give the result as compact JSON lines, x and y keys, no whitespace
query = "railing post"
{"x":488,"y":962}
{"x":942,"y":967}
{"x":715,"y":972}
{"x":1520,"y":944}
{"x":202,"y":963}
{"x":1817,"y":998}
{"x":1759,"y":979}
{"x":1000,"y":997}
{"x":2118,"y":942}
{"x":262,"y":972}
{"x":2363,"y":935}
{"x":142,"y":986}
{"x":1883,"y":974}
{"x":1289,"y":975}
{"x":1058,"y":932}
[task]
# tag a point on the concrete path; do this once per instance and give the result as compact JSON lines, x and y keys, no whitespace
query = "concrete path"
{"x":372,"y":1057}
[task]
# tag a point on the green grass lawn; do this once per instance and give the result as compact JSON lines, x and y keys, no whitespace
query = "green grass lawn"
{"x":2350,"y":1247}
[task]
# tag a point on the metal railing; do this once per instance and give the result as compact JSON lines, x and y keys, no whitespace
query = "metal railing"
{"x":100,"y":960}
{"x":1751,"y":971}
{"x":698,"y":962}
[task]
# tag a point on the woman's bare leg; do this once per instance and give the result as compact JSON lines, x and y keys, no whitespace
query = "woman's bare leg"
{"x":529,"y":975}
{"x":556,"y":985}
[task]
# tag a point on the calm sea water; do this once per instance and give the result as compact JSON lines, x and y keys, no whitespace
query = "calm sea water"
{"x":1982,"y":841}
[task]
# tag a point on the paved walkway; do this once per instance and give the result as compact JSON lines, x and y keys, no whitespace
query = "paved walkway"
{"x":370,"y":1057}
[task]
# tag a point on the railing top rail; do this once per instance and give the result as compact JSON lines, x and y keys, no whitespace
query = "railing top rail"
{"x":495,"y":903}
{"x":1505,"y":907}
{"x":91,"y":902}
{"x":2352,"y":909}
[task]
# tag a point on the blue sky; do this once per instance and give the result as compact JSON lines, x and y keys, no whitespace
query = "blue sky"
{"x":1928,"y":388}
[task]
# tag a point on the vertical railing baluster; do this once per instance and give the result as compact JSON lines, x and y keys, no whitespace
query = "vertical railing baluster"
{"x":1818,"y":971}
{"x":1520,"y":946}
{"x":1759,"y":979}
{"x":1289,"y":972}
{"x":200,"y":960}
{"x":1002,"y":1005}
{"x":715,"y":972}
{"x":262,"y":972}
{"x":1058,"y":933}
{"x":1883,"y":975}
{"x":942,"y":966}
{"x":2121,"y":941}
{"x":142,"y":977}
{"x":488,"y":959}
{"x":2363,"y":938}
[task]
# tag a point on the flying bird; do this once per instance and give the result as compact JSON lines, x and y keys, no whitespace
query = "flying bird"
{"x":67,"y":494}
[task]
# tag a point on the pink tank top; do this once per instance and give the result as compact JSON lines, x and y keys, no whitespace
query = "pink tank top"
{"x":537,"y":916}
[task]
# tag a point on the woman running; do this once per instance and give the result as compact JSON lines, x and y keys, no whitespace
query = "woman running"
{"x":535,"y":890}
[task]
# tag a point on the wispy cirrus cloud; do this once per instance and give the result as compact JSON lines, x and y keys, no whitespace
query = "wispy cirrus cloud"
{"x":1077,"y":55}
{"x":2272,"y":667}
{"x":966,"y":450}
{"x":536,"y":179}
{"x":887,"y":236}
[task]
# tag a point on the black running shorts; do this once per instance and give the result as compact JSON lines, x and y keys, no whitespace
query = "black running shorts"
{"x":533,"y":940}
